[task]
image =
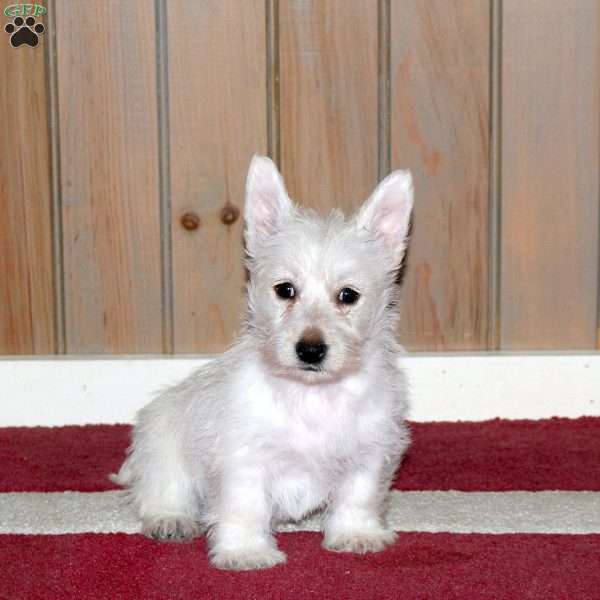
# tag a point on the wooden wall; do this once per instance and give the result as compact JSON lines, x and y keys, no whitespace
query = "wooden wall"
{"x":128,"y":131}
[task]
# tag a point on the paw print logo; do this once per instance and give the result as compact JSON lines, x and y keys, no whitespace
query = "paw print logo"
{"x":24,"y":31}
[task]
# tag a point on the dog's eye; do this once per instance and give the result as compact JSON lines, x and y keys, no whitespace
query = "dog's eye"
{"x":348,"y":296}
{"x":285,"y":290}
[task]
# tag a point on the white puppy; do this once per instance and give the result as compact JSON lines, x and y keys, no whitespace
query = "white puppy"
{"x":306,"y":411}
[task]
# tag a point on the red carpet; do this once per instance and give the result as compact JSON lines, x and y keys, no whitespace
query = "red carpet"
{"x":554,"y":454}
{"x":425,"y":566}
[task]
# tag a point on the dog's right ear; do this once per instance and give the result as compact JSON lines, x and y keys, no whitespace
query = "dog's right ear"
{"x":267,"y":202}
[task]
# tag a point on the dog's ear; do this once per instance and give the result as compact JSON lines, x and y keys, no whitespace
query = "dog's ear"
{"x":387,"y":212}
{"x":267,"y":201}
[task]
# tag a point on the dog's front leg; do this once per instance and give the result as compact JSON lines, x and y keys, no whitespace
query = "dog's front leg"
{"x":241,"y":538}
{"x":354,"y":521}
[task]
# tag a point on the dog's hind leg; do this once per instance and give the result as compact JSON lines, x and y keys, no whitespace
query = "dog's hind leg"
{"x":165,"y":495}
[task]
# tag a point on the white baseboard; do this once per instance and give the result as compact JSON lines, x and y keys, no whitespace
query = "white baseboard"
{"x":444,"y":387}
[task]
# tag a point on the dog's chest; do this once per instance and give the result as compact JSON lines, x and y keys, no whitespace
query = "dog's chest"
{"x":308,"y":437}
{"x":321,"y":430}
{"x":319,"y":422}
{"x":317,"y":442}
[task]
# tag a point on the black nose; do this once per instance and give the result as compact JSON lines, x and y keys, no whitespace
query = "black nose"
{"x":310,"y":352}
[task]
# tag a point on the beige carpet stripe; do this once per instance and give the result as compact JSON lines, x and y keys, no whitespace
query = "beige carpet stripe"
{"x":455,"y":512}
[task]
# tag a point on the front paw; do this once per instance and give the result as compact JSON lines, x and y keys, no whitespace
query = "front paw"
{"x":359,"y":541}
{"x":247,"y":558}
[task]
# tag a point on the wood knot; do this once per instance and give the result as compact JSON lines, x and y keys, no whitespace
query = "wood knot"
{"x":229,"y":214}
{"x":190,"y":221}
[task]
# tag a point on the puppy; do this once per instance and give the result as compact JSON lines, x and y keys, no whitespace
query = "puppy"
{"x":306,"y":411}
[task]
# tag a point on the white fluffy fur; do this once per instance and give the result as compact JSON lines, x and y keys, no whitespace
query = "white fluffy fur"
{"x":252,"y":437}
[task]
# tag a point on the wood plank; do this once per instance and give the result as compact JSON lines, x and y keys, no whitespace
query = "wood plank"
{"x":440,"y":130}
{"x":26,"y":273}
{"x":550,"y":158}
{"x":217,"y":72}
{"x":328,"y":86}
{"x":108,"y":146}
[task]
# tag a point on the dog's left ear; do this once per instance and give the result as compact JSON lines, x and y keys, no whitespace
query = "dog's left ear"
{"x":387,"y":212}
{"x":267,"y":203}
